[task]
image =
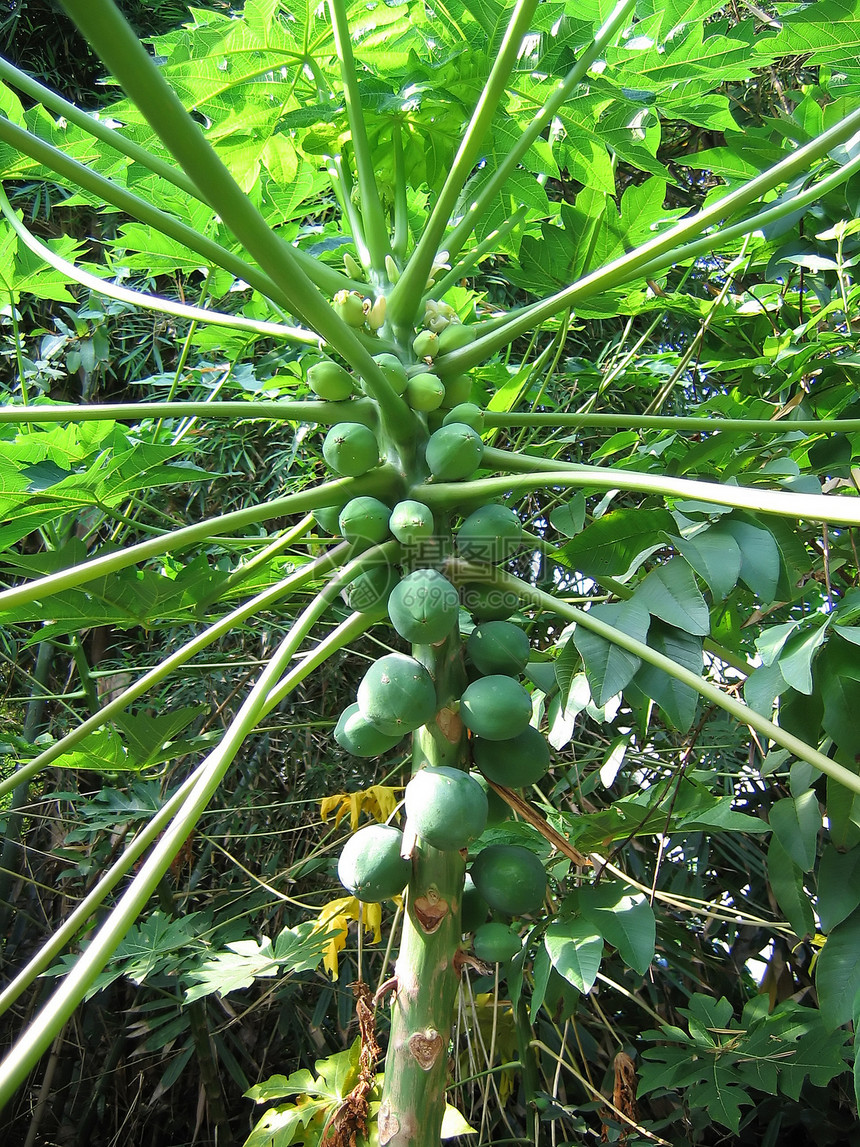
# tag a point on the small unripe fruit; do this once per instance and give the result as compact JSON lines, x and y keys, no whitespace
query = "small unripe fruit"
{"x":359,"y":737}
{"x":496,"y":943}
{"x":453,"y":452}
{"x":397,"y":694}
{"x":425,"y":344}
{"x":446,"y":807}
{"x":458,"y":390}
{"x":351,"y":307}
{"x":351,"y":449}
{"x":455,"y":336}
{"x":468,"y":414}
{"x":424,"y":607}
{"x":495,"y":707}
{"x":424,"y":392}
{"x":330,"y":381}
{"x":394,"y":371}
{"x":326,"y":517}
{"x":370,"y":865}
{"x":364,"y":519}
{"x":491,"y":534}
{"x":411,"y":522}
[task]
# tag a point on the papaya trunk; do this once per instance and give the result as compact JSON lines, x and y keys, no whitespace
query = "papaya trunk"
{"x":427,"y":970}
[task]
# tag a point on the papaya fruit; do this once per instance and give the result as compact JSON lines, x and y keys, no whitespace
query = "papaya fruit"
{"x":487,"y":602}
{"x":510,"y":878}
{"x":496,"y":943}
{"x":425,"y":344}
{"x":329,"y":380}
{"x":491,"y":534}
{"x":424,"y":391}
{"x":453,"y":452}
{"x":370,"y":865}
{"x":351,"y":449}
{"x":495,"y":707}
{"x":446,"y":807}
{"x":458,"y":390}
{"x":517,"y":761}
{"x":455,"y":336}
{"x":394,"y":371}
{"x":411,"y":522}
{"x":397,"y":694}
{"x":424,"y":607}
{"x":498,"y":647}
{"x":467,"y":413}
{"x":327,"y":518}
{"x":369,"y":590}
{"x":351,"y":307}
{"x":355,"y":734}
{"x":474,"y":909}
{"x":364,"y":519}
{"x":498,"y":809}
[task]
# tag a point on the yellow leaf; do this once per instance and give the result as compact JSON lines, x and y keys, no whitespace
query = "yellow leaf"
{"x":337,"y":804}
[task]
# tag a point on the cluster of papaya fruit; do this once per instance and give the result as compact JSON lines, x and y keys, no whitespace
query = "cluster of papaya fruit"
{"x":448,"y":808}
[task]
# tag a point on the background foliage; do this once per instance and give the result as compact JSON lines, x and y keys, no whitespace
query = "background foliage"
{"x":718,"y":958}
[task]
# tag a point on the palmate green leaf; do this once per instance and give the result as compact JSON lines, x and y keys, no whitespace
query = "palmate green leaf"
{"x":669,"y":592}
{"x":677,"y":700}
{"x":125,"y":599}
{"x":829,"y":29}
{"x":624,"y":919}
{"x":298,"y":949}
{"x":760,"y":557}
{"x":716,"y":559}
{"x":837,"y":972}
{"x":786,"y":882}
{"x":838,"y":886}
{"x":616,"y":543}
{"x":575,"y":949}
{"x":838,"y":678}
{"x":608,"y":667}
{"x":715,"y":52}
{"x":797,"y":823}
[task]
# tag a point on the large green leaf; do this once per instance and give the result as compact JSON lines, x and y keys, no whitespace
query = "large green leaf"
{"x":575,"y":948}
{"x":670,"y":592}
{"x":617,"y":541}
{"x":837,"y":972}
{"x":838,"y":886}
{"x":609,"y":667}
{"x":624,"y":918}
{"x":797,"y":823}
{"x":677,"y":699}
{"x":786,"y":881}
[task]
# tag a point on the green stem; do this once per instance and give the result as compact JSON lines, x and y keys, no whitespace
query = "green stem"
{"x":400,"y":240}
{"x":535,"y":473}
{"x":463,"y":571}
{"x":328,"y":494}
{"x":407,"y":292}
{"x":116,"y":43}
{"x":43,"y":1027}
{"x":659,"y":252}
{"x":673,"y":423}
{"x":757,"y":222}
{"x":10,"y":858}
{"x":179,"y":657}
{"x":606,"y":34}
{"x":146,"y":301}
{"x":372,"y":215}
{"x":323,"y":413}
{"x":341,"y":184}
{"x":488,"y":246}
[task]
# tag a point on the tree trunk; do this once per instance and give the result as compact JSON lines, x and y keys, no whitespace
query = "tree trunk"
{"x":427,"y":969}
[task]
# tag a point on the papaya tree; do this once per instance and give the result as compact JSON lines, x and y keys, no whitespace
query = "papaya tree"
{"x":419,"y":208}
